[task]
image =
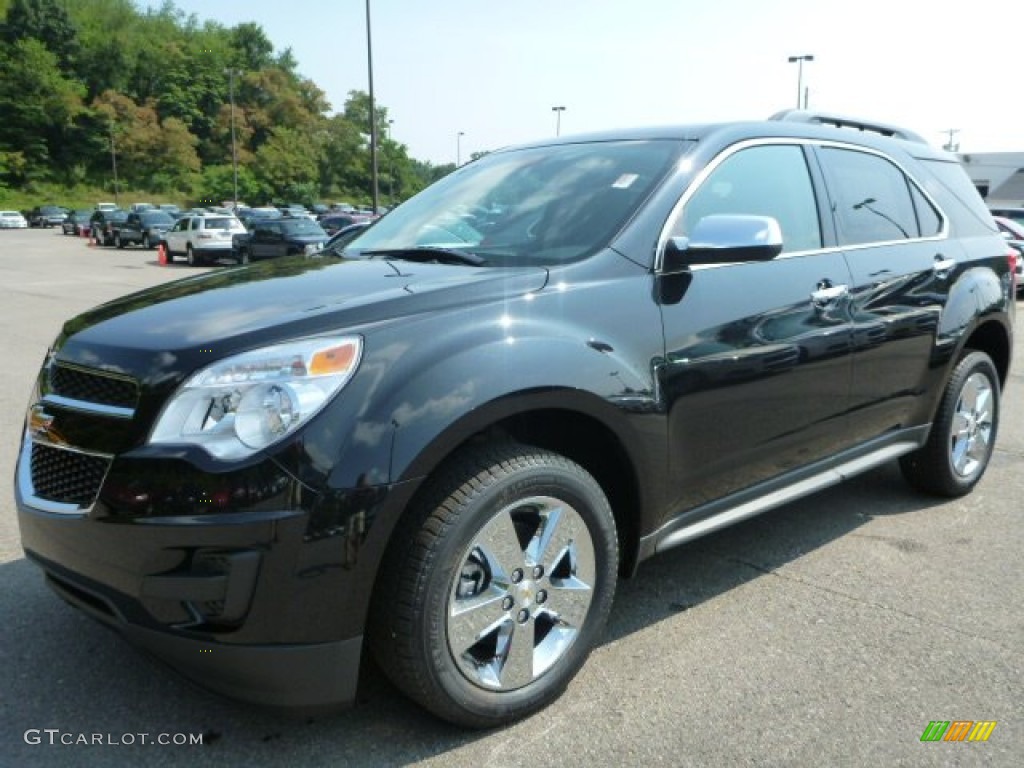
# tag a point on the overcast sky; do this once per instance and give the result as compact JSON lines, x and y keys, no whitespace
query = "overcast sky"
{"x":493,"y":70}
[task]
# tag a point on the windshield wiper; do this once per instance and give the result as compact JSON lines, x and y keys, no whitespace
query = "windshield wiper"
{"x":430,"y":253}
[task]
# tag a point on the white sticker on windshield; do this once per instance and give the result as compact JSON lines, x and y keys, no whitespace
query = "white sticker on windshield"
{"x":625,"y":181}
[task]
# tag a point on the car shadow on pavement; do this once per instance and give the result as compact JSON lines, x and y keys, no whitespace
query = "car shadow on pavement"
{"x":683,"y":578}
{"x":61,"y":670}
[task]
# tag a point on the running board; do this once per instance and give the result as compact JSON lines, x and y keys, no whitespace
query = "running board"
{"x":813,"y":484}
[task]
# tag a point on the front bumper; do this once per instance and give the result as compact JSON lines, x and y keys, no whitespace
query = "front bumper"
{"x":264,"y":602}
{"x":285,"y":675}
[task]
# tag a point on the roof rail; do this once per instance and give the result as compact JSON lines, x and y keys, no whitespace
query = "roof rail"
{"x":840,"y":121}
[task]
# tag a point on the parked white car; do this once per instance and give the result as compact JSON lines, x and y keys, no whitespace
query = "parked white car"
{"x":12,"y":220}
{"x":202,"y":238}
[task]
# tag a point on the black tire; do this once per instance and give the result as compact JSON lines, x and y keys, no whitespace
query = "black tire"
{"x":963,"y":434}
{"x":243,"y":256}
{"x":117,"y":240}
{"x":167,"y":253}
{"x":146,"y":242}
{"x":466,"y":589}
{"x":190,"y":256}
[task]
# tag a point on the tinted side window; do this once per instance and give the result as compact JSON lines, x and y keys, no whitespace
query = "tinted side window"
{"x":871,"y":196}
{"x":949,"y":184}
{"x":928,"y":219}
{"x":770,"y":180}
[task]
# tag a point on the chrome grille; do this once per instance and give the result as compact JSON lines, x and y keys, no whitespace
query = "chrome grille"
{"x":93,"y":386}
{"x":66,"y":476}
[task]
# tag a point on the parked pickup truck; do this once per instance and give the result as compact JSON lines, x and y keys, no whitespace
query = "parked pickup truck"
{"x":145,"y":228}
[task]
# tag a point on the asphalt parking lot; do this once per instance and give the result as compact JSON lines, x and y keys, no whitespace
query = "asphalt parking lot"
{"x":829,"y":632}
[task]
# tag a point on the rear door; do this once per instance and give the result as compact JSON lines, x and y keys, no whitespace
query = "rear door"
{"x":757,"y":369}
{"x":175,"y":237}
{"x":903,"y":262}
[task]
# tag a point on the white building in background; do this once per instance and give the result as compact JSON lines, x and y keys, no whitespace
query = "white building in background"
{"x":999,"y":177}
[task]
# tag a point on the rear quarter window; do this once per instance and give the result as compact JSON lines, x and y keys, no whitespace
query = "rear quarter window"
{"x":948,"y":183}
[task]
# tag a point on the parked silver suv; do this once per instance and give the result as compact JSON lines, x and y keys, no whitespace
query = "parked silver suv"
{"x":202,"y":239}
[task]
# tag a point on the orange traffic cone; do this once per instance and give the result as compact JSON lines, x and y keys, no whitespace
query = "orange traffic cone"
{"x":161,"y":254}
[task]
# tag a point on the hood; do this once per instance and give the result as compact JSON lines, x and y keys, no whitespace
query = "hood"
{"x":181,"y":325}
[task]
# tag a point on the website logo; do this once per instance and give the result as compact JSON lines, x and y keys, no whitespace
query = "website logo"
{"x":958,"y":730}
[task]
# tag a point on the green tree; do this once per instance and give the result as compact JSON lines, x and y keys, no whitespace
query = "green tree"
{"x":153,"y":153}
{"x":38,"y":105}
{"x":45,"y":21}
{"x":286,"y":164}
{"x":252,"y":50}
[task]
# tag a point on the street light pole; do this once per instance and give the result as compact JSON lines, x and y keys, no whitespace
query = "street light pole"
{"x":391,"y":167}
{"x":373,"y":116}
{"x":234,"y":146}
{"x":950,"y":145}
{"x":113,"y":162}
{"x":458,"y":148}
{"x":558,"y":119}
{"x":800,"y":77}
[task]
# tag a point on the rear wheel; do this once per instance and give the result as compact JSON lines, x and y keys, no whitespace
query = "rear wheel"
{"x":243,"y":256}
{"x":117,"y":240}
{"x":497,"y":585}
{"x":963,"y":434}
{"x":146,"y":242}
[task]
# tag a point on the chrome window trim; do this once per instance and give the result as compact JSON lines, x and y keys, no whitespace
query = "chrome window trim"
{"x":739,"y":146}
{"x":943,"y":232}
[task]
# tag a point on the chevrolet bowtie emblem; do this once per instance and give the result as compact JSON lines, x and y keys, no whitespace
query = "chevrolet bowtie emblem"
{"x":40,"y":426}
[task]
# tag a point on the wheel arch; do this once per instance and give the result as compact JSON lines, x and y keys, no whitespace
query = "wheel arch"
{"x":589,"y":442}
{"x":992,"y":338}
{"x":574,"y":424}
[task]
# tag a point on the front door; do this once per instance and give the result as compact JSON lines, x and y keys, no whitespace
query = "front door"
{"x":757,"y":370}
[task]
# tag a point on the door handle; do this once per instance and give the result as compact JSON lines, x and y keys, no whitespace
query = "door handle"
{"x":828,"y":294}
{"x":943,"y":266}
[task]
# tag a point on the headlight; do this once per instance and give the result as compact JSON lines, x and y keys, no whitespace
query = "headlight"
{"x":242,"y":404}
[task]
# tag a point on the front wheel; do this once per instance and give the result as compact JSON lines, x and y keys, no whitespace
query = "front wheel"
{"x":963,"y":434}
{"x":496,"y":585}
{"x":190,"y":256}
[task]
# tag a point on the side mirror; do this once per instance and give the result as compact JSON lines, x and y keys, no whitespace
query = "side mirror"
{"x":724,"y":239}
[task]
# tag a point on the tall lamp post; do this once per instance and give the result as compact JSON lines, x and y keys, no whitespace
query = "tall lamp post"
{"x":558,"y":119}
{"x":458,"y":148}
{"x":800,"y":77}
{"x":391,"y":167}
{"x":234,"y":146}
{"x":113,"y":161}
{"x":373,"y":115}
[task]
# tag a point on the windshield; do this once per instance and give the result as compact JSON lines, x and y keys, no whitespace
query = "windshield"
{"x":157,"y":219}
{"x":225,"y":223}
{"x":302,"y":227}
{"x":542,"y":205}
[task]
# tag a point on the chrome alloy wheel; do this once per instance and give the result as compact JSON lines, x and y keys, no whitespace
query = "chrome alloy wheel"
{"x":522,"y":593}
{"x":972,"y":425}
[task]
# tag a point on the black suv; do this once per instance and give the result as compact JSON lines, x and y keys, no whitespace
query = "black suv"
{"x":145,"y":228}
{"x":561,"y":359}
{"x":104,"y":225}
{"x":47,"y":216}
{"x":273,"y":238}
